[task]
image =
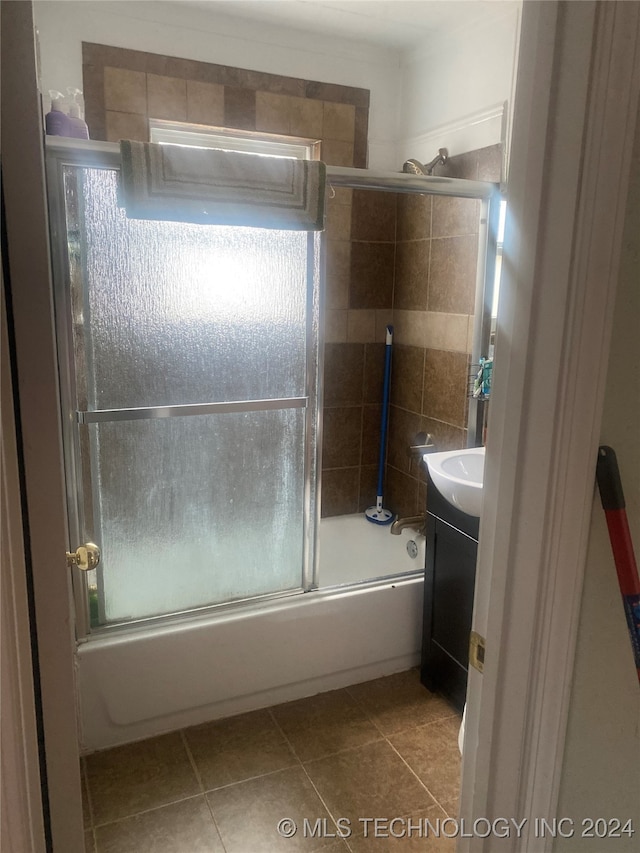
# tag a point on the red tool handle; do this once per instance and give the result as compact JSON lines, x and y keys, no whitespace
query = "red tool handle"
{"x":612,"y":497}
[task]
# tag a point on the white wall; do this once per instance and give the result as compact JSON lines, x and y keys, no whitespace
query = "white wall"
{"x":205,"y":35}
{"x":453,"y":89}
{"x":448,"y":93}
{"x":601,"y":771}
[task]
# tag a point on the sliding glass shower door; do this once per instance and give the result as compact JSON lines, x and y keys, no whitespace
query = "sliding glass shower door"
{"x":189,"y":364}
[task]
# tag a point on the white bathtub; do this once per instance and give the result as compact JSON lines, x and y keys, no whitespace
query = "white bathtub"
{"x":145,"y":681}
{"x":352,"y":549}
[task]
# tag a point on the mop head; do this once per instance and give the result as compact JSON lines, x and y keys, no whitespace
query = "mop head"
{"x":378,"y":515}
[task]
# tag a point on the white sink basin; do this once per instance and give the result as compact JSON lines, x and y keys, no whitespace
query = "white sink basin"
{"x":458,"y":476}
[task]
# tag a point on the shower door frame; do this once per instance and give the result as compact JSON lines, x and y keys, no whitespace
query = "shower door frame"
{"x":490,"y":196}
{"x":106,"y":155}
{"x":62,"y":152}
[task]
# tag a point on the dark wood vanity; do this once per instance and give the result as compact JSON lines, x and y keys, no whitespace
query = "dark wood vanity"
{"x":450,"y":573}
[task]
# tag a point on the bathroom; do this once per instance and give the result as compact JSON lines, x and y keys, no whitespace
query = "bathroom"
{"x":533,"y":646}
{"x":433,"y":328}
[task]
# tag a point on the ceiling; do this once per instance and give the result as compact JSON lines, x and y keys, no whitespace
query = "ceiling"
{"x":393,"y":23}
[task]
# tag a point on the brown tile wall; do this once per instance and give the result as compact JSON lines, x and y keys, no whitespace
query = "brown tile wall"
{"x":410,"y":260}
{"x":124,"y":88}
{"x":435,"y":278}
{"x":361,"y":232}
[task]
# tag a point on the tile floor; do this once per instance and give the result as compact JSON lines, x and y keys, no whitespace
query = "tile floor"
{"x":383,"y":749}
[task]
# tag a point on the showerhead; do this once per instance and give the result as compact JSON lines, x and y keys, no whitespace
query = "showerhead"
{"x":414,"y":167}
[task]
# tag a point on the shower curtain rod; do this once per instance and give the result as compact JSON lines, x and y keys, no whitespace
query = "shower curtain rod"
{"x":103,"y":153}
{"x":401,"y":182}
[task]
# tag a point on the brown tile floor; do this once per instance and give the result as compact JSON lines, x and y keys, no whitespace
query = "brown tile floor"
{"x":384,"y":749}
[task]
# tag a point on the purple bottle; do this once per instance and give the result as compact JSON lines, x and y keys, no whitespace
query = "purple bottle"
{"x":56,"y":121}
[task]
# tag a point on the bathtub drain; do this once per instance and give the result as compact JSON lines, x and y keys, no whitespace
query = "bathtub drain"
{"x":412,"y":549}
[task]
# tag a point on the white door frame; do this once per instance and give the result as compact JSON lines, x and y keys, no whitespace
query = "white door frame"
{"x":569,"y":162}
{"x":574,"y":125}
{"x":39,"y":421}
{"x":21,"y":818}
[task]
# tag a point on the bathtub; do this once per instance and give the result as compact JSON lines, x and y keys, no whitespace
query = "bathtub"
{"x":143,"y":681}
{"x":352,"y":549}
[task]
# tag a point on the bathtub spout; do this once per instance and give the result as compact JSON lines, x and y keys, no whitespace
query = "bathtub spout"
{"x":417,"y":521}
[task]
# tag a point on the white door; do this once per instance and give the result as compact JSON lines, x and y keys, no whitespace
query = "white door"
{"x":576,"y":104}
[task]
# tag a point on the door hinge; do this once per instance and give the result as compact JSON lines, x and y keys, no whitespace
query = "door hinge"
{"x":476,"y":651}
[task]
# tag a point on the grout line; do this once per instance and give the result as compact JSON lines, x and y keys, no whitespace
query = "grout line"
{"x":326,"y":806}
{"x":201,"y":784}
{"x":418,"y":725}
{"x":361,"y":442}
{"x":215,"y":822}
{"x":433,"y":797}
{"x":283,"y":733}
{"x":192,"y":760}
{"x":422,"y":380}
{"x":344,"y":750}
{"x":365,"y":710}
{"x":251,"y":778}
{"x":304,"y":770}
{"x":375,"y":242}
{"x":147,"y":811}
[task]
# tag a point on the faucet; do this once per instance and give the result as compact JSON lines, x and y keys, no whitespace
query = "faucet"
{"x":417,"y":521}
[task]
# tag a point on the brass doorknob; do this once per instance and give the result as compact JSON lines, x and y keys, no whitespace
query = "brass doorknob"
{"x":85,"y":557}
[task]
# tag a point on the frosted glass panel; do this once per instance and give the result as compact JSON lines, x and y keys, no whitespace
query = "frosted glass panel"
{"x":176,"y":313}
{"x":198,"y":510}
{"x":189,"y":510}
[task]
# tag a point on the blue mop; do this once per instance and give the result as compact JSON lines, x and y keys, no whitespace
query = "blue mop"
{"x":377,"y":514}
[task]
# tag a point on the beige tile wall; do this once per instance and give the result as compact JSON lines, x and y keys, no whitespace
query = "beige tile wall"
{"x":361,"y":228}
{"x":409,"y":260}
{"x":125,"y":88}
{"x":435,"y":279}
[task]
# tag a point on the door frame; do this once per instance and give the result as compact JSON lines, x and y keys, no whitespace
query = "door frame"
{"x":570,"y":154}
{"x":575,"y":115}
{"x":38,"y":423}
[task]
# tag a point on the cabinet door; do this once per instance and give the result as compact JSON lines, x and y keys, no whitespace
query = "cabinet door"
{"x":448,"y":607}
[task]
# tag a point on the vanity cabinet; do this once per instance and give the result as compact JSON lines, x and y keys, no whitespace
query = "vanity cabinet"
{"x":450,"y":573}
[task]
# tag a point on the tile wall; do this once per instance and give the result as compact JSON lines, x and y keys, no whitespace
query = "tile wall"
{"x":125,"y":88}
{"x":361,"y":233}
{"x":433,"y":306}
{"x":409,"y":260}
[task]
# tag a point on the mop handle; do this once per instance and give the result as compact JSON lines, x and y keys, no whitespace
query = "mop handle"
{"x":613,"y":503}
{"x":385,"y":407}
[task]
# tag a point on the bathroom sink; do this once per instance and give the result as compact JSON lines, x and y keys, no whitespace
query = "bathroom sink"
{"x":458,"y":476}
